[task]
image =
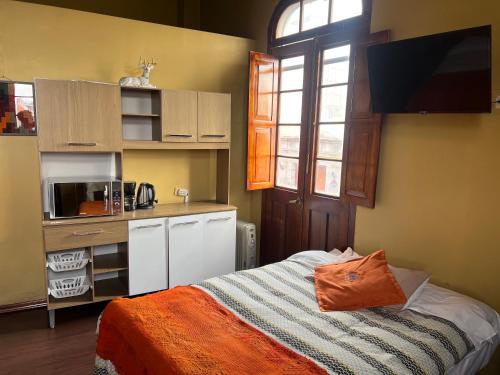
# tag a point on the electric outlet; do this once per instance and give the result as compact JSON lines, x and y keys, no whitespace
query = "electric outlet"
{"x":497,"y":105}
{"x":181,"y":192}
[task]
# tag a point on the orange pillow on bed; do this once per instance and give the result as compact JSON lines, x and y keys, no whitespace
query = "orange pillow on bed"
{"x":357,"y":284}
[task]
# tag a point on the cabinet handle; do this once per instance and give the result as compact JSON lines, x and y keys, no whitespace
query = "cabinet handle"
{"x":214,"y":135}
{"x":92,"y":144}
{"x":186,"y":223}
{"x":149,"y":226}
{"x":219,"y":219}
{"x":80,"y":234}
{"x":180,"y":135}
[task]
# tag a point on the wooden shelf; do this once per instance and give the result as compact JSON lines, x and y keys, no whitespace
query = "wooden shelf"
{"x":109,"y":288}
{"x":59,"y":303}
{"x":129,"y":88}
{"x":157,"y":145}
{"x":110,"y":263}
{"x":140,"y":115}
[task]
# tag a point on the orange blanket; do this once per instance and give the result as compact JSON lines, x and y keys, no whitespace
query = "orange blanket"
{"x":185,"y":331}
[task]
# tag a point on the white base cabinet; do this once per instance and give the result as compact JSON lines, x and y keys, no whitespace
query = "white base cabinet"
{"x":182,"y":250}
{"x":147,"y":253}
{"x":185,"y":247}
{"x":219,"y":244}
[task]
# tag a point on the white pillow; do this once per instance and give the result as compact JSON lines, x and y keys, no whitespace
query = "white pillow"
{"x":479,"y":321}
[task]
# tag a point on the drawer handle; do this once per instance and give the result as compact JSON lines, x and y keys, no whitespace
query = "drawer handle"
{"x":180,"y":135}
{"x":186,"y":223}
{"x":149,"y":226}
{"x":214,"y":135}
{"x":90,"y":144}
{"x":80,"y":234}
{"x":219,"y":219}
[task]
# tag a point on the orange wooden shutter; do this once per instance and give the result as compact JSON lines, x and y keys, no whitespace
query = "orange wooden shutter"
{"x":262,"y":118}
{"x":363,"y":132}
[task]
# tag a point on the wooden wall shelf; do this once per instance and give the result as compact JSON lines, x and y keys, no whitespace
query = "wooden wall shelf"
{"x":156,"y":145}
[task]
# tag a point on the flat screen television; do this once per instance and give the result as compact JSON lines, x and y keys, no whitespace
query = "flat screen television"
{"x":441,"y":73}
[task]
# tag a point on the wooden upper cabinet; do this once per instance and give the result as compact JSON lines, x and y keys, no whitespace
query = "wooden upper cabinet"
{"x":179,"y":116}
{"x":77,"y":116}
{"x":214,"y":117}
{"x":262,"y":119}
{"x":362,"y":132}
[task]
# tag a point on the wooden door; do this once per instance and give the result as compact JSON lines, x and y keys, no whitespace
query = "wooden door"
{"x":282,"y":206}
{"x":185,"y":250}
{"x":180,"y":116}
{"x":147,"y":256}
{"x":98,"y":126}
{"x":214,"y":117}
{"x":56,"y":112}
{"x":219,"y":238}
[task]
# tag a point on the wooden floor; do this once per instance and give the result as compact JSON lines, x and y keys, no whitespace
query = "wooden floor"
{"x":28,"y":346}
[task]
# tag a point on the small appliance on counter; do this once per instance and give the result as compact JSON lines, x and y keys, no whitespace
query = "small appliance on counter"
{"x":77,"y":197}
{"x":129,"y":195}
{"x":146,"y":196}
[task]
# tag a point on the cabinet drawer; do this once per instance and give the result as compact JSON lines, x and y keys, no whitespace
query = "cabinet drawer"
{"x":74,"y":236}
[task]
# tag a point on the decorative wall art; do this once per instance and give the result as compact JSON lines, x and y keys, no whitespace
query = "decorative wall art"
{"x":17,"y":108}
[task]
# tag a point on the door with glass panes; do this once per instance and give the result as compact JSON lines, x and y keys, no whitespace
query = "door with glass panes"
{"x":315,"y":151}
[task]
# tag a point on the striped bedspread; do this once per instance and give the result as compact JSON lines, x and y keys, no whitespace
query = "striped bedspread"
{"x":279,"y":301}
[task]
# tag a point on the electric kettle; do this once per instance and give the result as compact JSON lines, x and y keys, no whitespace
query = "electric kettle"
{"x":146,"y":196}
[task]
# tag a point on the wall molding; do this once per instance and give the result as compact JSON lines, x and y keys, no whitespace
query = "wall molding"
{"x":28,"y":305}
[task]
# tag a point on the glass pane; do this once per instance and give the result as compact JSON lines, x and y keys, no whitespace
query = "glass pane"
{"x":289,"y":21}
{"x":315,"y":14}
{"x":17,"y":109}
{"x":331,"y":141}
{"x":343,"y":9}
{"x":333,"y":104}
{"x":336,"y":65}
{"x":327,"y":179}
{"x":291,"y":108}
{"x":292,"y":73}
{"x":289,"y":140}
{"x":287,"y":173}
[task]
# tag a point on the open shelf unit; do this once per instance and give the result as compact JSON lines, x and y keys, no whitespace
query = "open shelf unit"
{"x":141,"y":114}
{"x":107,"y":271}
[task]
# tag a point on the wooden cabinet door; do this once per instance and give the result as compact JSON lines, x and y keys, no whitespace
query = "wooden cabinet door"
{"x":214,"y":117}
{"x":147,"y":256}
{"x":185,"y":250}
{"x":78,"y":116}
{"x":179,"y":116}
{"x":99,"y":117}
{"x":57,"y":115}
{"x":219,"y":255}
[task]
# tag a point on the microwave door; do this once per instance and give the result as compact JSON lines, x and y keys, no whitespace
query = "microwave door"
{"x":97,"y":200}
{"x":67,"y":197}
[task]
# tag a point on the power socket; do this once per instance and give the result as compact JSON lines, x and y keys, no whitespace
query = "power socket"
{"x":181,"y":192}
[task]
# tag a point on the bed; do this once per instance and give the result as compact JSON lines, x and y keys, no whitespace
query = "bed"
{"x":267,"y":321}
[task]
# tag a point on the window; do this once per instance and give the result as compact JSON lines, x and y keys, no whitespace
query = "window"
{"x":17,"y":109}
{"x":332,"y":115}
{"x":309,"y":14}
{"x":289,"y":121}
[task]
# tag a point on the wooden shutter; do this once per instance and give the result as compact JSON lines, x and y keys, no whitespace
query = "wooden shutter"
{"x":262,"y":118}
{"x":363,"y":132}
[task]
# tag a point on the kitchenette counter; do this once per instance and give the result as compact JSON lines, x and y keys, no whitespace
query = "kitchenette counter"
{"x":160,"y":210}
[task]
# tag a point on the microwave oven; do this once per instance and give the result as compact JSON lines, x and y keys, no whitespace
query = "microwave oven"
{"x":74,"y":198}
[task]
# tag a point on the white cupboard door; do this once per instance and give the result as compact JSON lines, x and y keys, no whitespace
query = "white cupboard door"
{"x":147,"y":256}
{"x":185,"y":250}
{"x":219,"y":256}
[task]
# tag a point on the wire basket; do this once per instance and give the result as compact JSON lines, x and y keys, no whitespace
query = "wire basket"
{"x":68,"y":261}
{"x":69,"y":287}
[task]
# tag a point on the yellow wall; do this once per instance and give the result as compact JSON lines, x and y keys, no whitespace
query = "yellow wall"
{"x":42,"y":41}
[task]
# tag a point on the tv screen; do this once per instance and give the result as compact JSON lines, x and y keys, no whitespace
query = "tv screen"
{"x":442,"y":73}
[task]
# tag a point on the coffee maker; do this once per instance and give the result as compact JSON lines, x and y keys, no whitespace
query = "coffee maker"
{"x":129,"y":195}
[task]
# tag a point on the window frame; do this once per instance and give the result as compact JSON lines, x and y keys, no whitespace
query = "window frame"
{"x":351,"y":25}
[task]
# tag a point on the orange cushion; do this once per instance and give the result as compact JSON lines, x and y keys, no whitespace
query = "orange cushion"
{"x":360,"y":283}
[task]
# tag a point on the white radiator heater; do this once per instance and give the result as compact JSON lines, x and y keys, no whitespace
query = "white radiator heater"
{"x":246,"y":246}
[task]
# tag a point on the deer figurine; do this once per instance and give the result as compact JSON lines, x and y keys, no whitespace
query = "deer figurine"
{"x":142,"y":81}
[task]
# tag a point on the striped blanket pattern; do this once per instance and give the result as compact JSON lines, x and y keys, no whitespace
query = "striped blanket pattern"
{"x":280,"y":301}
